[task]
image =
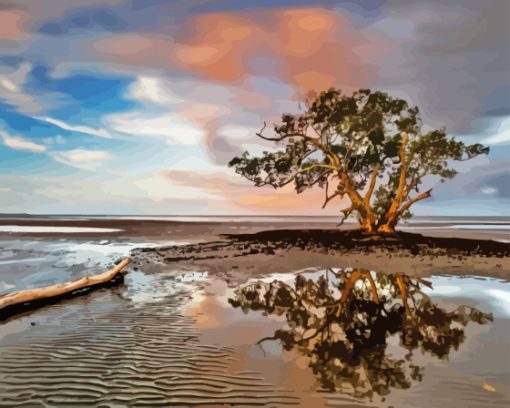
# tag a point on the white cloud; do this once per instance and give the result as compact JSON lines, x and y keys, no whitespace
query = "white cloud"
{"x":78,"y":128}
{"x":489,"y":190}
{"x":171,"y":127}
{"x":11,"y":85}
{"x":154,"y":90}
{"x":18,"y":143}
{"x":238,"y":132}
{"x":82,"y":159}
{"x":501,"y":137}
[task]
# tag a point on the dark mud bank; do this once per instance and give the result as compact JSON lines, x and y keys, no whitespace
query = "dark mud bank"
{"x":277,"y":249}
{"x":268,"y":242}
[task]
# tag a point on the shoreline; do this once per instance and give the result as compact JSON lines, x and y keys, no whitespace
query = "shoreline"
{"x":281,"y":250}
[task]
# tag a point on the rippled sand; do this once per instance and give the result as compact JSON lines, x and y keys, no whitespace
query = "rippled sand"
{"x":108,"y":350}
{"x":171,"y":339}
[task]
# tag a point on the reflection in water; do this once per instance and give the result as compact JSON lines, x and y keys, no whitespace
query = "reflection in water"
{"x":343,"y":320}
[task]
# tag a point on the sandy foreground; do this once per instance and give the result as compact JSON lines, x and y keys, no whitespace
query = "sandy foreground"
{"x":169,"y":337}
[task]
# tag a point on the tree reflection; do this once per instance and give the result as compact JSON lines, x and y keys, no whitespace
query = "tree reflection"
{"x":341,"y":321}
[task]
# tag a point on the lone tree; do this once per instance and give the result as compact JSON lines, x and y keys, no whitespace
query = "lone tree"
{"x":369,"y":147}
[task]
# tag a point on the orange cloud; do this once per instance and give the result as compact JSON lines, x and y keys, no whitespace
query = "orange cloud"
{"x":302,"y":32}
{"x":309,"y":48}
{"x":217,"y":46}
{"x":11,"y":24}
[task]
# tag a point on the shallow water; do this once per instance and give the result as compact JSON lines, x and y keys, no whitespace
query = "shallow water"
{"x":36,"y":262}
{"x":457,"y":380}
{"x":173,"y":339}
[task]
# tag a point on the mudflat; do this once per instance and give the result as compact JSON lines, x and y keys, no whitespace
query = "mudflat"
{"x":170,"y":336}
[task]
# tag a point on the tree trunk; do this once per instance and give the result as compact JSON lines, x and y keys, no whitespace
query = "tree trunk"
{"x":392,"y":215}
{"x":368,"y":223}
{"x":388,"y":228}
{"x":367,"y":226}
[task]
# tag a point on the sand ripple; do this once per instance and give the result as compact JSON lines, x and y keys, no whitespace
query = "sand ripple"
{"x":106,"y":351}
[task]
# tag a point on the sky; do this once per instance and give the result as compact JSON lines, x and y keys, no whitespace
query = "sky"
{"x":136,"y":106}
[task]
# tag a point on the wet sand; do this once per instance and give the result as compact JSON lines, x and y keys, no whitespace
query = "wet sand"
{"x":131,"y":346}
{"x":172,"y":339}
{"x":168,"y":336}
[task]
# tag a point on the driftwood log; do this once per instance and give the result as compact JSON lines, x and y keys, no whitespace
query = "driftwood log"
{"x":22,"y":300}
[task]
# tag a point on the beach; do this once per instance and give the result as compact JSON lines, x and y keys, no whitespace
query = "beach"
{"x":168,"y":335}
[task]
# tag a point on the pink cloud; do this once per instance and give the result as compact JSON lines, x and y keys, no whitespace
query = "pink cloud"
{"x":12,"y":24}
{"x":308,"y":48}
{"x":249,"y":199}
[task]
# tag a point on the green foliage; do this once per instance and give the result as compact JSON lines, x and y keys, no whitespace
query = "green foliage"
{"x":339,"y":139}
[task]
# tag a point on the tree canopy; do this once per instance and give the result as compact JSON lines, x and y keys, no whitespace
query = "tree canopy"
{"x":368,"y":146}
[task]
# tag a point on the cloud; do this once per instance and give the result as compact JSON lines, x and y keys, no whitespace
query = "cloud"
{"x":302,"y":47}
{"x":82,"y":159}
{"x":171,"y":127}
{"x":453,"y":61}
{"x":224,"y":113}
{"x":11,"y":24}
{"x":306,"y":47}
{"x":247,"y":199}
{"x":88,"y":19}
{"x":12,"y":81}
{"x":159,"y":188}
{"x":489,"y":190}
{"x":82,"y":129}
{"x":491,"y":180}
{"x":153,"y":90}
{"x":9,"y":85}
{"x":18,"y":143}
{"x":501,"y":135}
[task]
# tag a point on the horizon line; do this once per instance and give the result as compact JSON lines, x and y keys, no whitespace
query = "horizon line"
{"x":223,"y":215}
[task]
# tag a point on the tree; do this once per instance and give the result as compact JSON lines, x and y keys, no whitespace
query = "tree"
{"x":368,"y":147}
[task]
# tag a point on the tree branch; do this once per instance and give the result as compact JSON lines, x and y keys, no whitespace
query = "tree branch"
{"x":313,"y":166}
{"x":410,"y":202}
{"x":329,"y":198}
{"x":346,"y":212}
{"x":371,"y":187}
{"x":403,"y":168}
{"x":330,"y":155}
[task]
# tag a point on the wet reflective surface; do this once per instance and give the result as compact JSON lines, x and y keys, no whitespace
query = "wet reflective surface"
{"x":173,"y":339}
{"x":342,"y":322}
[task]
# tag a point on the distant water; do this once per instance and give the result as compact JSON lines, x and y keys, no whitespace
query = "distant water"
{"x":446,"y":220}
{"x":53,"y":229}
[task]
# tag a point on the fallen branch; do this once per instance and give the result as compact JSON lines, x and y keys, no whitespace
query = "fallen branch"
{"x":26,"y":299}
